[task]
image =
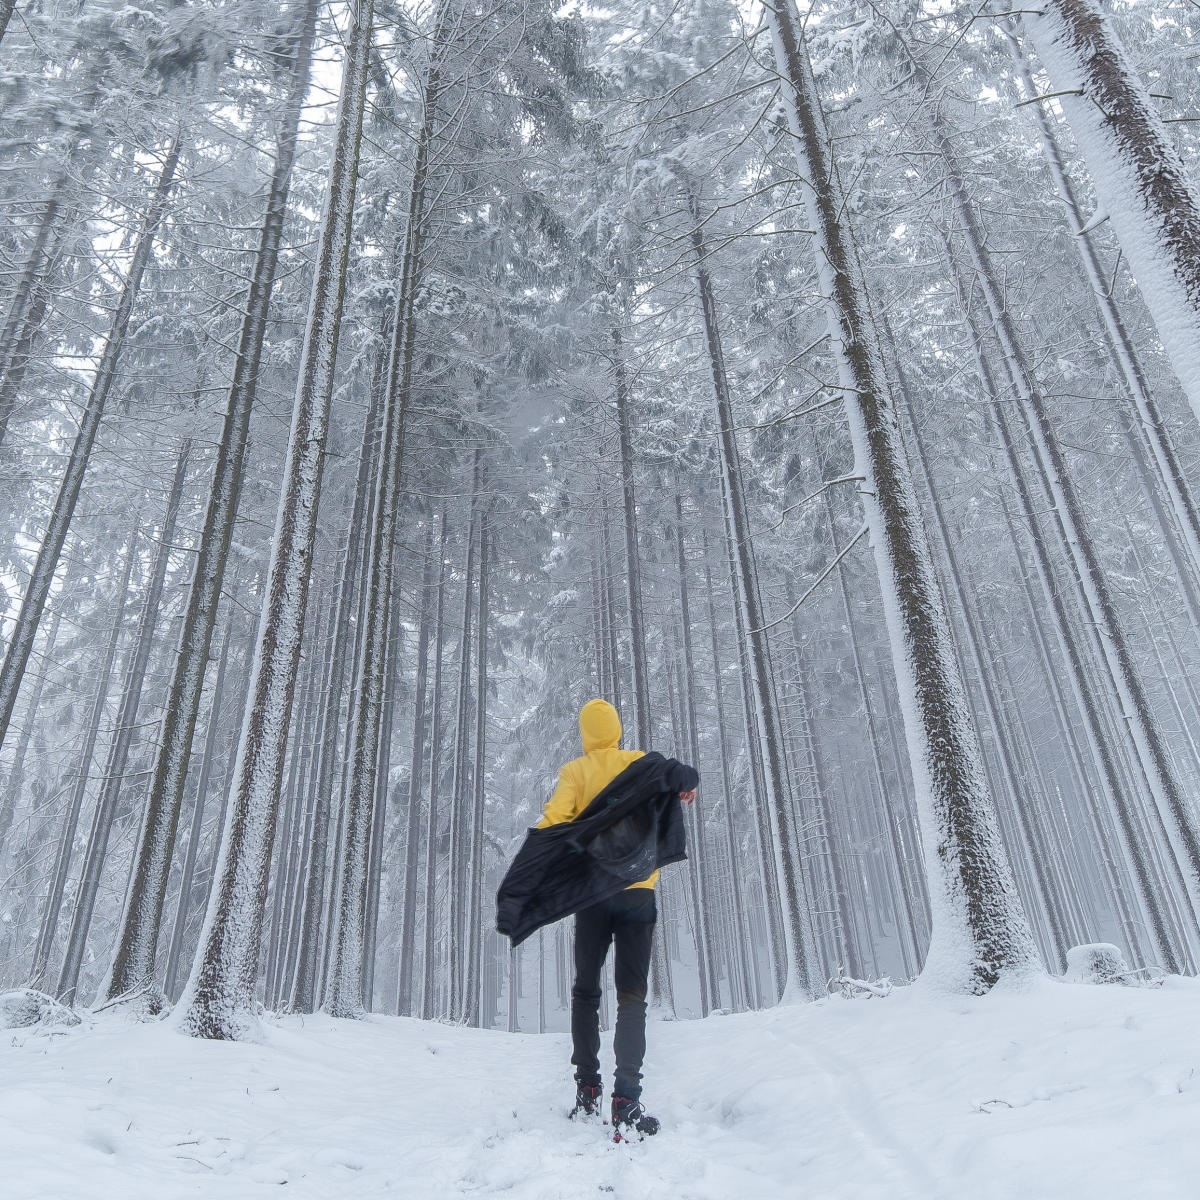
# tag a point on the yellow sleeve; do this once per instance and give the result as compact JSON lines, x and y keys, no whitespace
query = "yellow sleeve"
{"x":562,"y":805}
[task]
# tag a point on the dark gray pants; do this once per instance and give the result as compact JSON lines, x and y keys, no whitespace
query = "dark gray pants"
{"x":627,"y":921}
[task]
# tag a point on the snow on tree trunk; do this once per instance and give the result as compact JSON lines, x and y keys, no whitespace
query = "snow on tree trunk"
{"x":133,"y":962}
{"x":218,"y":1001}
{"x":980,"y":932}
{"x":1141,"y":182}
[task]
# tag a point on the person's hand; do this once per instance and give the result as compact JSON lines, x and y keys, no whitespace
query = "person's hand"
{"x":688,"y":797}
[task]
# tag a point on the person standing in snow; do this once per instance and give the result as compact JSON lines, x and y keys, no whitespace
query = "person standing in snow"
{"x":625,"y":920}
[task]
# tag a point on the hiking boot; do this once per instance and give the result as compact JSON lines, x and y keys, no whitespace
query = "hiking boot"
{"x":587,"y":1100}
{"x":628,"y":1116}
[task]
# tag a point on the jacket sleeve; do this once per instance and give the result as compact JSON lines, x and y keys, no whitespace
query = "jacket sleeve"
{"x":681,"y":777}
{"x":563,"y":804}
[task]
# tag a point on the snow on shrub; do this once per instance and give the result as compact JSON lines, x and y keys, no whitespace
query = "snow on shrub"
{"x":26,"y":1007}
{"x":848,"y":988}
{"x":1100,"y":962}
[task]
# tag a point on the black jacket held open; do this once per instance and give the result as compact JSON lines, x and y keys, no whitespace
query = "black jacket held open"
{"x":628,"y":831}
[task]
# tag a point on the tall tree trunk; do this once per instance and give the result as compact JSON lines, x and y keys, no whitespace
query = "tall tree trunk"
{"x":798,"y":962}
{"x":435,"y":778}
{"x":1020,"y":800}
{"x":1141,"y":182}
{"x":300,"y":738}
{"x":126,"y":727}
{"x":661,"y":989}
{"x":309,"y":951}
{"x":15,"y":781}
{"x":1086,"y":699}
{"x":980,"y":932}
{"x":906,"y":921}
{"x":1057,"y":483}
{"x":306,"y":808}
{"x":633,"y":574}
{"x":133,"y":963}
{"x":472,"y":1001}
{"x":218,"y":1001}
{"x":187,"y":876}
{"x":12,"y":375}
{"x":62,"y":858}
{"x":741,"y":929}
{"x":416,"y":775}
{"x":456,"y":874}
{"x":698,"y":872}
{"x":42,"y":576}
{"x":384,"y":795}
{"x":758,"y":810}
{"x":343,"y":988}
{"x":29,"y":296}
{"x":1124,"y":357}
{"x":609,"y":610}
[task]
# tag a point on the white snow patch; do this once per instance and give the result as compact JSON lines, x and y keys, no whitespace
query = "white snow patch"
{"x":1050,"y":1090}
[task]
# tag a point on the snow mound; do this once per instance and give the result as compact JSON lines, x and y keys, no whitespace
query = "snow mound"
{"x":1099,"y":962}
{"x":1040,"y":1091}
{"x":26,"y":1006}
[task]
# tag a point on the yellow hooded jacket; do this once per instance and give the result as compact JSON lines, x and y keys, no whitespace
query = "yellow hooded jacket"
{"x":583,"y":779}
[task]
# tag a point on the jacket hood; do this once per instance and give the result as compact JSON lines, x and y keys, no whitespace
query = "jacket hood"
{"x":599,"y":725}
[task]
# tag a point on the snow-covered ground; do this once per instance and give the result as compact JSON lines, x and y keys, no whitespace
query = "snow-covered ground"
{"x":1057,"y":1091}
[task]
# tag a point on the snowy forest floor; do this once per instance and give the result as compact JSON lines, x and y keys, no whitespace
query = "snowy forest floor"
{"x":1053,"y":1091}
